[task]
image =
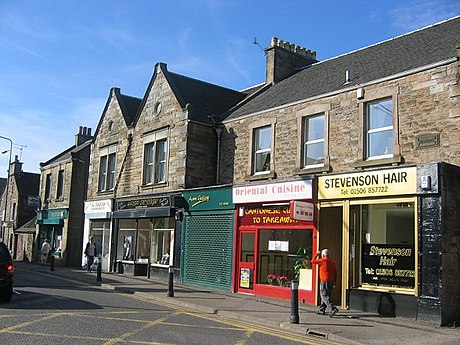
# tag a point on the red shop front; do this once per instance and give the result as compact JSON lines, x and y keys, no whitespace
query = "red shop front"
{"x":275,"y":227}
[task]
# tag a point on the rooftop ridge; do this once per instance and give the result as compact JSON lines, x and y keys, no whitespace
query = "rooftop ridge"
{"x":384,"y":41}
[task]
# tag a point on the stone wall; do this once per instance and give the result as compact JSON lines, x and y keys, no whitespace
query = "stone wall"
{"x":426,"y":103}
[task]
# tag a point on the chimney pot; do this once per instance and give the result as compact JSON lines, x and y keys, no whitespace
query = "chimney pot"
{"x":274,"y":41}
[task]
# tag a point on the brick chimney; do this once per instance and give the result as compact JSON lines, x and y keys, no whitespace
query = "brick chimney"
{"x":284,"y":59}
{"x":84,"y":134}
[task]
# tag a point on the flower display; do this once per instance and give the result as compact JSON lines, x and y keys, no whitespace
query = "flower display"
{"x":272,"y":279}
{"x":283,"y":280}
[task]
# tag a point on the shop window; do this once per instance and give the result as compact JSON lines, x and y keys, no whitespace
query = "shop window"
{"x":143,"y":240}
{"x":60,"y":185}
{"x":107,"y":167}
{"x":313,"y":146}
{"x":126,"y":236}
{"x":101,"y":232}
{"x":162,"y":241}
{"x":384,"y":245}
{"x":379,"y":129}
{"x":277,"y":252}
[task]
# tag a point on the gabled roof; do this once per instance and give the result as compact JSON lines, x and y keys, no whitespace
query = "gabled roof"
{"x":29,"y":227}
{"x":129,"y":106}
{"x":414,"y":50}
{"x":65,"y":155}
{"x":202,"y":99}
{"x":27,"y":183}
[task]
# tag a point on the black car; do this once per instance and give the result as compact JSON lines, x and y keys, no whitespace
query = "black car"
{"x":6,"y":273}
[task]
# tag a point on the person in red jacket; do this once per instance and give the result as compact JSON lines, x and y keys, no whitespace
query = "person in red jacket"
{"x":327,"y":277}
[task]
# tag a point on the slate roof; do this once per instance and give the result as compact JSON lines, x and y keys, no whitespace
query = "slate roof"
{"x":27,"y":183}
{"x":28,"y":228}
{"x":420,"y":48}
{"x":201,"y":98}
{"x":204,"y":98}
{"x":65,"y":155}
{"x":129,"y":107}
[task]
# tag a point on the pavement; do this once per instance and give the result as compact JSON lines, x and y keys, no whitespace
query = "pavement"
{"x":347,"y":327}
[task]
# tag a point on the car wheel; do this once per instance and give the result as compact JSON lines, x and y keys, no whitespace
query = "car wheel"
{"x":7,"y":293}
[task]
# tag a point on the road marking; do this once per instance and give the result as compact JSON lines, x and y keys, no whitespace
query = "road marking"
{"x":17,"y":292}
{"x":122,"y":337}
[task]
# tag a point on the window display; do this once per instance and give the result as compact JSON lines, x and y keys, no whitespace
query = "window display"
{"x":387,"y":244}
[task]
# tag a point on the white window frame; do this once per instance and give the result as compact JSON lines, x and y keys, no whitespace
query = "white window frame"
{"x":306,"y":142}
{"x":382,"y":129}
{"x":106,"y":178}
{"x":257,"y":152}
{"x":150,"y":169}
{"x":372,"y":95}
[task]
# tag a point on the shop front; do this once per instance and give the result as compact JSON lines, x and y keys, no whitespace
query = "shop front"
{"x":275,"y":239}
{"x":386,"y":230}
{"x":51,"y":226}
{"x":147,"y":235}
{"x":98,"y":224}
{"x":207,"y":241}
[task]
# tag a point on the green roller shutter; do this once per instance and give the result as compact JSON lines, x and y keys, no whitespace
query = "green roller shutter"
{"x":208,"y":250}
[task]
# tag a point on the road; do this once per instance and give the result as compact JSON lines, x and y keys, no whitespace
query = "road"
{"x":53,"y":310}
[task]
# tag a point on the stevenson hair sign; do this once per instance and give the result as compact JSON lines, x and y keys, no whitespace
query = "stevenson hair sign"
{"x":284,"y":191}
{"x":368,"y":184}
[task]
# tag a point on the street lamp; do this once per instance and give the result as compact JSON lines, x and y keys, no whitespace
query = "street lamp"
{"x":7,"y":180}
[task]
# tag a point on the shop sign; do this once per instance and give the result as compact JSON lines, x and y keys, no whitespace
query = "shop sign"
{"x":278,"y":246}
{"x":209,"y":200}
{"x":98,"y":206}
{"x":368,"y":184}
{"x":33,"y":201}
{"x":387,"y":264}
{"x":245,"y":274}
{"x":273,"y":192}
{"x":55,"y":214}
{"x":143,"y":203}
{"x":266,"y":215}
{"x":302,"y":210}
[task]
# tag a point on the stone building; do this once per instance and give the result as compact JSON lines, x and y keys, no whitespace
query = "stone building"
{"x":19,"y":210}
{"x":143,"y":155}
{"x":63,"y":186}
{"x":360,"y":154}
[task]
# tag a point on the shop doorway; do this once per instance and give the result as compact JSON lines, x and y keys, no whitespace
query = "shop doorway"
{"x":330,"y":236}
{"x":246,"y":264}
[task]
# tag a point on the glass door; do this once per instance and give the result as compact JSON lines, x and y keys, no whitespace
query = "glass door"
{"x":246,"y":265}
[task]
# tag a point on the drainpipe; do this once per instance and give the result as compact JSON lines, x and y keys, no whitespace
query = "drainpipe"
{"x":218,"y":130}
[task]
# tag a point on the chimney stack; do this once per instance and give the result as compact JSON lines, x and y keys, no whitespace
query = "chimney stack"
{"x":284,"y":59}
{"x":84,"y":134}
{"x":16,"y":166}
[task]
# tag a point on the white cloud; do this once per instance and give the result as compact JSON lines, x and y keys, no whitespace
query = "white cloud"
{"x":45,"y":134}
{"x":418,"y":14}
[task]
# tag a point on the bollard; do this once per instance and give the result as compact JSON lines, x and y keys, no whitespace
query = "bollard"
{"x":99,"y":270}
{"x":52,"y":262}
{"x":294,"y":301}
{"x":171,"y":282}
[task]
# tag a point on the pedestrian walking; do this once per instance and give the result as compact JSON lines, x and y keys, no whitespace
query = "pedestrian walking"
{"x":328,"y":278}
{"x":45,"y":251}
{"x":90,"y":252}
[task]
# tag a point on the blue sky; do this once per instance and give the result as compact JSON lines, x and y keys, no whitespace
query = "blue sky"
{"x":59,"y":59}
